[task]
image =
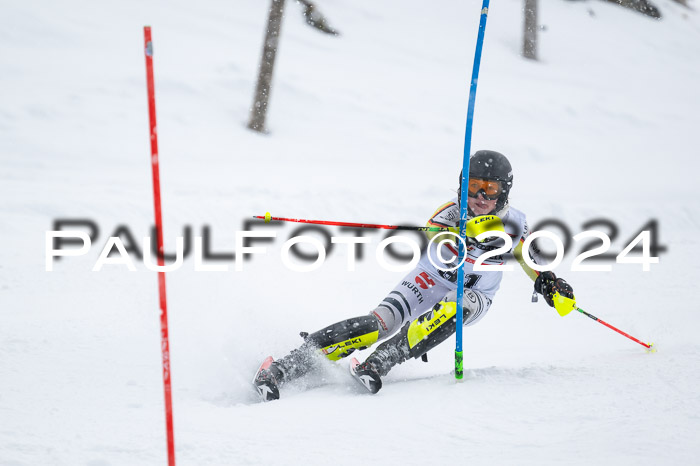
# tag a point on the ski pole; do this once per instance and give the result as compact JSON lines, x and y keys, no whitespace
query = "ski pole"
{"x":267,"y":217}
{"x":648,"y":346}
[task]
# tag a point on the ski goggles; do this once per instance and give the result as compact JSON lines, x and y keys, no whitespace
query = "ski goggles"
{"x":490,"y":189}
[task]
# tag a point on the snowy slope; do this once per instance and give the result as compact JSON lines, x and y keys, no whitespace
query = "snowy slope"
{"x":366,"y":127}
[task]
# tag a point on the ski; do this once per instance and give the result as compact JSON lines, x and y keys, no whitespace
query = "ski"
{"x":366,"y":376}
{"x":265,"y":382}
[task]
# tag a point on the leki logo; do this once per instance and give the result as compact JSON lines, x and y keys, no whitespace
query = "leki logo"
{"x":435,"y":323}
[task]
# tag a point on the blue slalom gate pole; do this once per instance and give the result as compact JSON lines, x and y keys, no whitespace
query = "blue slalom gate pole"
{"x":459,"y":361}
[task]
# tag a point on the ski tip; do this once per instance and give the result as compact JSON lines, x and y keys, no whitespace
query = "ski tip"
{"x":265,"y":383}
{"x":265,"y":365}
{"x":369,"y":379}
{"x":267,"y":391}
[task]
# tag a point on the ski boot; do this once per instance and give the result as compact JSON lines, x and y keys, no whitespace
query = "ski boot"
{"x":414,"y":340}
{"x":390,"y":353}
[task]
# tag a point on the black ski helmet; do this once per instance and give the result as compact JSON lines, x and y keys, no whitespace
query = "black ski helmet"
{"x":491,"y":165}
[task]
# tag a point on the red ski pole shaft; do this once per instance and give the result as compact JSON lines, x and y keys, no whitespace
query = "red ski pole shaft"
{"x":155,"y":168}
{"x":268,"y":218}
{"x":646,"y":345}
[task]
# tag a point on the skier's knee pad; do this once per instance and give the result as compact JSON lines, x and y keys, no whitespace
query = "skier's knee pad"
{"x":434,"y":327}
{"x":339,"y":340}
{"x":431,"y":329}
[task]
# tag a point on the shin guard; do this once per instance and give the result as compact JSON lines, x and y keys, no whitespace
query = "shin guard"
{"x":432,"y":328}
{"x":341,"y":339}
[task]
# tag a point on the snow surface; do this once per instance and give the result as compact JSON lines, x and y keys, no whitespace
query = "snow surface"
{"x":364,"y":127}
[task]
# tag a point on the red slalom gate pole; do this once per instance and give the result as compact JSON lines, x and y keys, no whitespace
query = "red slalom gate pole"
{"x":164,"y":342}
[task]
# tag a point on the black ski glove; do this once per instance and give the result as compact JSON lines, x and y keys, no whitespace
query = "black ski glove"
{"x":547,"y":284}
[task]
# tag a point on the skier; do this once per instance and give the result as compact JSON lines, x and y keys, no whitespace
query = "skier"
{"x":429,"y":287}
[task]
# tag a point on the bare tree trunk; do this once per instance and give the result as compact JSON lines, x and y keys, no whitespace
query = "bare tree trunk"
{"x":267,"y":63}
{"x":530,"y":30}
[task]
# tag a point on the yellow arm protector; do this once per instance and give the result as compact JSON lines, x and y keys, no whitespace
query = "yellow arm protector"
{"x":474,"y":227}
